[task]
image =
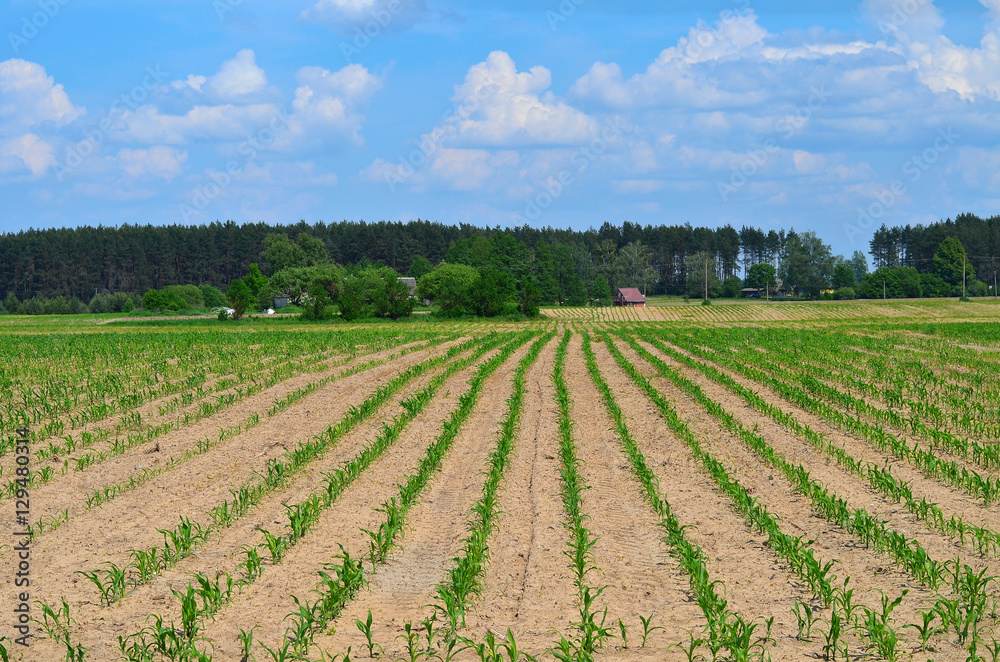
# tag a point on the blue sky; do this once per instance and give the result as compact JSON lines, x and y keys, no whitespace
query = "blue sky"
{"x":832,"y":117}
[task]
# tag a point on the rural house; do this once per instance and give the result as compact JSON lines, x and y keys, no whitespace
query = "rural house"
{"x":629,"y":296}
{"x":411,"y":285}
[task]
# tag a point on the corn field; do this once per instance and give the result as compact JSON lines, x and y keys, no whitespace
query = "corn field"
{"x":602,"y":484}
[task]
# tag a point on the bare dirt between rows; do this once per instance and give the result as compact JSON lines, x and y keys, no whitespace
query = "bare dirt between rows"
{"x":951,"y":500}
{"x":528,"y":586}
{"x":107,"y":533}
{"x":640,"y":576}
{"x":402,"y":591}
{"x":268,"y":600}
{"x":222,"y":552}
{"x":71,"y":491}
{"x":869,"y":571}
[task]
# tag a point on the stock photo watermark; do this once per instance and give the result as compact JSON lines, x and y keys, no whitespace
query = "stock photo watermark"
{"x":32,"y":24}
{"x":913,"y":169}
{"x":223,"y":7}
{"x":216,"y":182}
{"x":899,"y":16}
{"x":380,"y":20}
{"x":583,"y":157}
{"x":786,"y":127}
{"x":120,"y":109}
{"x":430,"y":143}
{"x":562,"y":14}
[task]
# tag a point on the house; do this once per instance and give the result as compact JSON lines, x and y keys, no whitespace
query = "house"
{"x":629,"y":296}
{"x":750,"y":292}
{"x":411,"y":284}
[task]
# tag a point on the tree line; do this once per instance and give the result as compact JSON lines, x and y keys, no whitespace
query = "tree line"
{"x":58,"y":270}
{"x":81,"y":262}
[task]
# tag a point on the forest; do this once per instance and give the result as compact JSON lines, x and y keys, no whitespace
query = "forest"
{"x":565,"y":265}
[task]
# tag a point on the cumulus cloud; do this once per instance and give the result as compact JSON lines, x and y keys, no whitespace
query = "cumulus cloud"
{"x":941,"y":64}
{"x":508,"y":108}
{"x":26,"y":152}
{"x":225,"y":122}
{"x":158,"y":161}
{"x":346,"y":15}
{"x":507,"y":128}
{"x":674,"y":75}
{"x":236,"y":104}
{"x":328,"y":106}
{"x":238,"y":78}
{"x":29,"y":97}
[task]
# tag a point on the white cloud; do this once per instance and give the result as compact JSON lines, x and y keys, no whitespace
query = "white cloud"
{"x":226,"y":122}
{"x":158,"y":161}
{"x":26,"y":152}
{"x":498,"y":109}
{"x":806,"y":162}
{"x":373,"y":15}
{"x":192,"y":81}
{"x":29,"y":97}
{"x":328,"y":106}
{"x":501,"y":107}
{"x":237,"y":79}
{"x":674,"y":77}
{"x":939,"y":63}
{"x":638,"y":185}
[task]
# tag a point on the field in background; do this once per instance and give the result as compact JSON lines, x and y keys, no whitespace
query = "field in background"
{"x":777,"y":311}
{"x":819,"y":482}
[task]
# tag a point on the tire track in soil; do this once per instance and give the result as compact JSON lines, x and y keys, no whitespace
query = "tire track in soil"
{"x":131,"y":521}
{"x":757,"y":584}
{"x":401,"y":591}
{"x":640,"y":575}
{"x":528,"y":586}
{"x":268,"y":600}
{"x":867,"y":569}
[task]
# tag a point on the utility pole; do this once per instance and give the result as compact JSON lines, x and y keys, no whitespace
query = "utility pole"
{"x":706,"y":280}
{"x":883,"y":289}
{"x":963,"y":276}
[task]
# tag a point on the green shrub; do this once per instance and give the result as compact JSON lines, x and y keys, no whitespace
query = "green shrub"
{"x":212,"y":296}
{"x":352,"y":300}
{"x":190,"y":295}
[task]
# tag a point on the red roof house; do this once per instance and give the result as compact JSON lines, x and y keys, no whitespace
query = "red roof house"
{"x":629,"y":296}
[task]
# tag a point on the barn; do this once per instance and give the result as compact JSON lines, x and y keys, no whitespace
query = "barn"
{"x":629,"y":296}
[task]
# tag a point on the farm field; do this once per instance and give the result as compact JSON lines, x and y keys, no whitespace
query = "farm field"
{"x":752,"y":482}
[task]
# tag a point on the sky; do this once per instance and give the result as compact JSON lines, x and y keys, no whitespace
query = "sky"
{"x":834,"y":117}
